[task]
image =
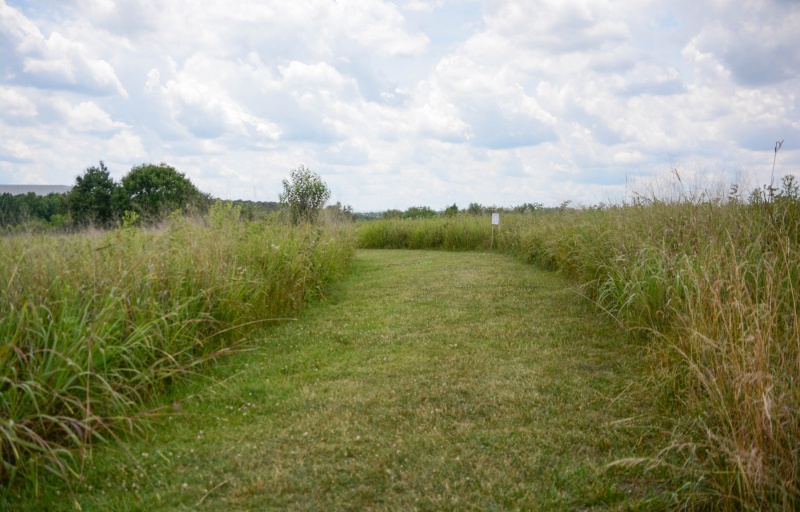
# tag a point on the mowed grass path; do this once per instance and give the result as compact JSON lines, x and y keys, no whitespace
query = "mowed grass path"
{"x":430,"y":380}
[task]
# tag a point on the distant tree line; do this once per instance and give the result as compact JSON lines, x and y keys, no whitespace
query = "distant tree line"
{"x":151,"y":192}
{"x":146,"y":194}
{"x":20,"y":209}
{"x":422,"y":212}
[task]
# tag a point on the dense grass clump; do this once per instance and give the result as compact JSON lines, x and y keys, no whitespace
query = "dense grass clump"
{"x":93,"y":325}
{"x":714,"y":283}
{"x":465,"y":232}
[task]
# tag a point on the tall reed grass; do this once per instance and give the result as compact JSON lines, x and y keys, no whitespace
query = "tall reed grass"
{"x":93,"y":325}
{"x":713,"y":282}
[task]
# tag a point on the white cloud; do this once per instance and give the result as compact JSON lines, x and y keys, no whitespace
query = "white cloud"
{"x":377,"y":25}
{"x":559,"y":25}
{"x":401,"y":102}
{"x":204,"y":107}
{"x":422,"y":5}
{"x":12,"y":150}
{"x":53,"y":62}
{"x":628,"y":157}
{"x":15,"y":104}
{"x":125,"y":146}
{"x":87,"y":117}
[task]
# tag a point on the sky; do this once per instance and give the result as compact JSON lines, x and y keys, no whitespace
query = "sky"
{"x":400,"y":103}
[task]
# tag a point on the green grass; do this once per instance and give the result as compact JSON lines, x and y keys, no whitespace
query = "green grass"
{"x":464,"y":233}
{"x":712,"y":284}
{"x":92,"y":326}
{"x":432,"y":380}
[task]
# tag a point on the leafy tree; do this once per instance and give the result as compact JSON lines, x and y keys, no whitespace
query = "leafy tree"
{"x":529,"y":207}
{"x":305,"y":195}
{"x":154,"y":191}
{"x":392,"y":214}
{"x":24,"y":208}
{"x":256,"y":210}
{"x":90,"y":200}
{"x":417,"y":212}
{"x":475,"y":209}
{"x":451,"y":211}
{"x":45,"y":207}
{"x":12,"y":211}
{"x":338,"y":213}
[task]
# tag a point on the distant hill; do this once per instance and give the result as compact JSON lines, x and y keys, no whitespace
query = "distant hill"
{"x":39,"y":190}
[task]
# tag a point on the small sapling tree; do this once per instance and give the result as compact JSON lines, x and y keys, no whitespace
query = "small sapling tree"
{"x":304,"y":194}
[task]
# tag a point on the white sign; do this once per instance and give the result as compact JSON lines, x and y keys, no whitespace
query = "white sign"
{"x":495,"y":219}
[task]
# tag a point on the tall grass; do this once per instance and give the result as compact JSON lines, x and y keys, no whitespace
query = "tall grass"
{"x":451,"y":233}
{"x":714,"y":283}
{"x":92,"y":325}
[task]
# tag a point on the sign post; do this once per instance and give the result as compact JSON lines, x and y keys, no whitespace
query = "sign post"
{"x":495,"y":222}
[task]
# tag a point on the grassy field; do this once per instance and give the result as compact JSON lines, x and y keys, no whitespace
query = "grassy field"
{"x":712,"y":284}
{"x":432,"y":380}
{"x":707,"y":287}
{"x":95,"y":325}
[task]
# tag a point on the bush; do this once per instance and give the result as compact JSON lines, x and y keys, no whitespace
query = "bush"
{"x":304,"y":195}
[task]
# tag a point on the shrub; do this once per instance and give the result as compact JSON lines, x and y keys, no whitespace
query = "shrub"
{"x":304,"y":195}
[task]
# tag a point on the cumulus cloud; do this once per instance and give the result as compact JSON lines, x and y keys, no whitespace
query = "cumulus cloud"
{"x":14,"y":150}
{"x":558,"y":25}
{"x":125,"y":146}
{"x":757,"y":48}
{"x":52,"y":62}
{"x":87,"y":117}
{"x":15,"y":104}
{"x":400,"y":102}
{"x":203,"y":108}
{"x":377,"y":24}
{"x":653,"y":79}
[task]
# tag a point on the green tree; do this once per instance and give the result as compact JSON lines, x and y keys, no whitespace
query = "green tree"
{"x":338,"y":213}
{"x":304,"y":195}
{"x":392,"y":214}
{"x":419,"y":212}
{"x":529,"y":207}
{"x":451,"y":211}
{"x":12,"y":211}
{"x":475,"y":209}
{"x":154,"y":191}
{"x":89,"y":201}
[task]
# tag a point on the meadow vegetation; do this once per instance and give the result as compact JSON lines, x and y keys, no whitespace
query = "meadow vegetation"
{"x":94,"y":325}
{"x":712,"y":283}
{"x":428,"y":380}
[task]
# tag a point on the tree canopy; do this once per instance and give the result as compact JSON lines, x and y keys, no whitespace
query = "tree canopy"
{"x":155,"y":190}
{"x":90,"y":200}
